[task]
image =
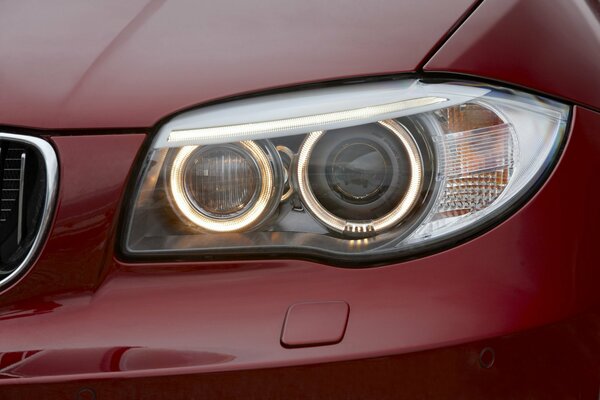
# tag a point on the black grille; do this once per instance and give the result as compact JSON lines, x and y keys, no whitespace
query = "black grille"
{"x":23,"y":199}
{"x":12,"y":188}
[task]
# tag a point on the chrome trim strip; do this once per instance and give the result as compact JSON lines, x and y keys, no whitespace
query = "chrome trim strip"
{"x":21,"y":189}
{"x":51,"y":164}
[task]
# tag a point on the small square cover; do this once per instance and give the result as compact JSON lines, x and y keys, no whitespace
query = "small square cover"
{"x":315,"y":324}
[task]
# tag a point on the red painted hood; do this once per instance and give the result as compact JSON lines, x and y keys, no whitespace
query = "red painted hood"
{"x":74,"y":64}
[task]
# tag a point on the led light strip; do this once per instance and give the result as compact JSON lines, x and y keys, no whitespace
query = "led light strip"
{"x":309,"y":123}
{"x":362,"y":228}
{"x":244,"y":221}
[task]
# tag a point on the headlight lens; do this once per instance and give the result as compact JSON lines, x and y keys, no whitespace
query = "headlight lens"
{"x":360,"y":173}
{"x":224,"y":188}
{"x":360,"y":181}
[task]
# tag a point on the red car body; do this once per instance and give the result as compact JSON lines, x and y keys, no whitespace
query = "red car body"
{"x":511,"y":313}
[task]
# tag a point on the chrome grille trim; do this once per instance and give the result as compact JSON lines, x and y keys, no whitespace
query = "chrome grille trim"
{"x":51,"y":165}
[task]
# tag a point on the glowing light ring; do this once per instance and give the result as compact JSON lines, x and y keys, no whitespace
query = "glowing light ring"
{"x":362,"y":228}
{"x":241,"y":222}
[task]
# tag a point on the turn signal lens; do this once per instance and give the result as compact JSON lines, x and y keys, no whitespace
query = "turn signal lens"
{"x":358,"y":173}
{"x":479,"y":158}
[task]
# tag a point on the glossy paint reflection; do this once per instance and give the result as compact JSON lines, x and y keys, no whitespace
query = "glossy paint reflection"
{"x":36,"y":363}
{"x":554,"y":362}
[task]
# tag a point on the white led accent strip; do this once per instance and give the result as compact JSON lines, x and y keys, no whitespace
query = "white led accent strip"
{"x":307,"y":123}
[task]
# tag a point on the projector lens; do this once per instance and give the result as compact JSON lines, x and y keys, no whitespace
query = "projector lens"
{"x":362,"y":180}
{"x":359,"y":172}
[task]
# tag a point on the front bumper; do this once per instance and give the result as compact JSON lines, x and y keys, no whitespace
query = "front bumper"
{"x":553,"y":362}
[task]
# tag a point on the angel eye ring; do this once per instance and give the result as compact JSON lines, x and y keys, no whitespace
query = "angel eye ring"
{"x":223,"y":188}
{"x":360,"y":181}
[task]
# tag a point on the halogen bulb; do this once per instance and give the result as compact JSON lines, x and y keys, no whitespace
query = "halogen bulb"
{"x":221,"y":181}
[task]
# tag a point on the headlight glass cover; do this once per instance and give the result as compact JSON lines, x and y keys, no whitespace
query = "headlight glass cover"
{"x":358,"y":173}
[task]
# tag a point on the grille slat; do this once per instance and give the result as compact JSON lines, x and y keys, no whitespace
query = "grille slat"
{"x":12,"y":185}
{"x":21,"y":191}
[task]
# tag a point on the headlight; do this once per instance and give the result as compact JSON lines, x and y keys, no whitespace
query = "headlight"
{"x":360,"y":173}
{"x":225,"y":188}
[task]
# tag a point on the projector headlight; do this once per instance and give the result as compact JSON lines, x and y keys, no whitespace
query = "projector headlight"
{"x":360,"y":173}
{"x":225,"y":188}
{"x":360,"y":181}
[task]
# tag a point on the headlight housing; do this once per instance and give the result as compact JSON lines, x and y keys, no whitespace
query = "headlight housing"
{"x":358,"y":173}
